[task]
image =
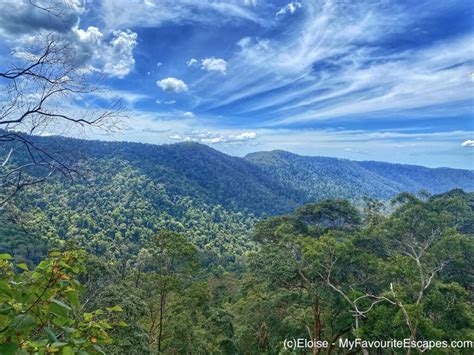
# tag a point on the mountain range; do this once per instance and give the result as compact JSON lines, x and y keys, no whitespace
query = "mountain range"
{"x":126,"y":192}
{"x":262,"y":182}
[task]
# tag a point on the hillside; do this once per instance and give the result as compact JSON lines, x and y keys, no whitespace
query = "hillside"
{"x":323,"y":177}
{"x":186,"y":169}
{"x":262,"y":182}
{"x":128,"y":191}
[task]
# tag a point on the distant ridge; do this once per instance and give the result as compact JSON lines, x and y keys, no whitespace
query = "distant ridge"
{"x":260,"y":183}
{"x":324,"y":177}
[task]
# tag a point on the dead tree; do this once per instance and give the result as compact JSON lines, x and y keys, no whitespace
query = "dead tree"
{"x":45,"y":90}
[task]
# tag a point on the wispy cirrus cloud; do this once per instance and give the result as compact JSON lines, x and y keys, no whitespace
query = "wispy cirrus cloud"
{"x":289,"y":8}
{"x":153,"y":13}
{"x":340,"y":62}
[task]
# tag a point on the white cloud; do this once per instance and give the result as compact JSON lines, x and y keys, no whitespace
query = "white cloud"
{"x":92,"y":35}
{"x":175,"y":137}
{"x":213,"y":137}
{"x":119,"y":54}
{"x":244,"y":136}
{"x":468,"y":143}
{"x":209,"y":137}
{"x":213,"y":140}
{"x":172,"y":85}
{"x":112,"y":54}
{"x":192,"y":62}
{"x":214,"y":64}
{"x":159,"y":64}
{"x":209,"y":64}
{"x":289,"y":8}
{"x":25,"y":27}
{"x":188,"y":114}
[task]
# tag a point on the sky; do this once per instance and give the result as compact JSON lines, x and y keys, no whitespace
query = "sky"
{"x":365,"y":80}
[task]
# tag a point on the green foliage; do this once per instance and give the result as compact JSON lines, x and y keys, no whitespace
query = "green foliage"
{"x":405,"y":275}
{"x":40,"y":310}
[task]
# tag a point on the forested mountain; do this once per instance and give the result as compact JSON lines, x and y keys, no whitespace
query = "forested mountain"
{"x":184,"y":169}
{"x":263,"y":182}
{"x":323,"y":177}
{"x":125,"y":192}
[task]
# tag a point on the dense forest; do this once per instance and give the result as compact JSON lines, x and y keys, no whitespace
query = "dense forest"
{"x":181,"y":249}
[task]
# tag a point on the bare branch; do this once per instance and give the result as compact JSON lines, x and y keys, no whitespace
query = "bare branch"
{"x":40,"y":93}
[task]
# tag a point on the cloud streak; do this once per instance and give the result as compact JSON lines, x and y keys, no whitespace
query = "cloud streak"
{"x":154,"y":13}
{"x":339,"y":62}
{"x":289,"y":8}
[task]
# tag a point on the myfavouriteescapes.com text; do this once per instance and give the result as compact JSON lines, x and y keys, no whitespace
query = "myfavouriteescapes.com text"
{"x":348,"y":344}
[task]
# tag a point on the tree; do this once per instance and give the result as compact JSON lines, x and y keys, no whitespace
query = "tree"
{"x":172,"y":261}
{"x":421,"y":245}
{"x":284,"y":265}
{"x":329,"y":214}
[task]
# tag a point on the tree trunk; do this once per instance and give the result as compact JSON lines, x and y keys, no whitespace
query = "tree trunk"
{"x":412,"y":338}
{"x":316,"y":326}
{"x":364,"y":351}
{"x":160,"y":324}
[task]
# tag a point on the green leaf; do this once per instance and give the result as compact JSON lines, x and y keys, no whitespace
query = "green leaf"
{"x":22,"y":323}
{"x":59,"y":308}
{"x":99,"y":312}
{"x":54,"y":254}
{"x":5,"y":257}
{"x":122,"y":324}
{"x":67,"y":350}
{"x":115,"y":309}
{"x":51,"y":334}
{"x":22,"y":266}
{"x":39,"y":343}
{"x":4,"y":287}
{"x":58,"y":344}
{"x":73,"y":298}
{"x":62,"y":304}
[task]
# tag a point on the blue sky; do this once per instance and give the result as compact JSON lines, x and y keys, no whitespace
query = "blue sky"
{"x":366,"y":80}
